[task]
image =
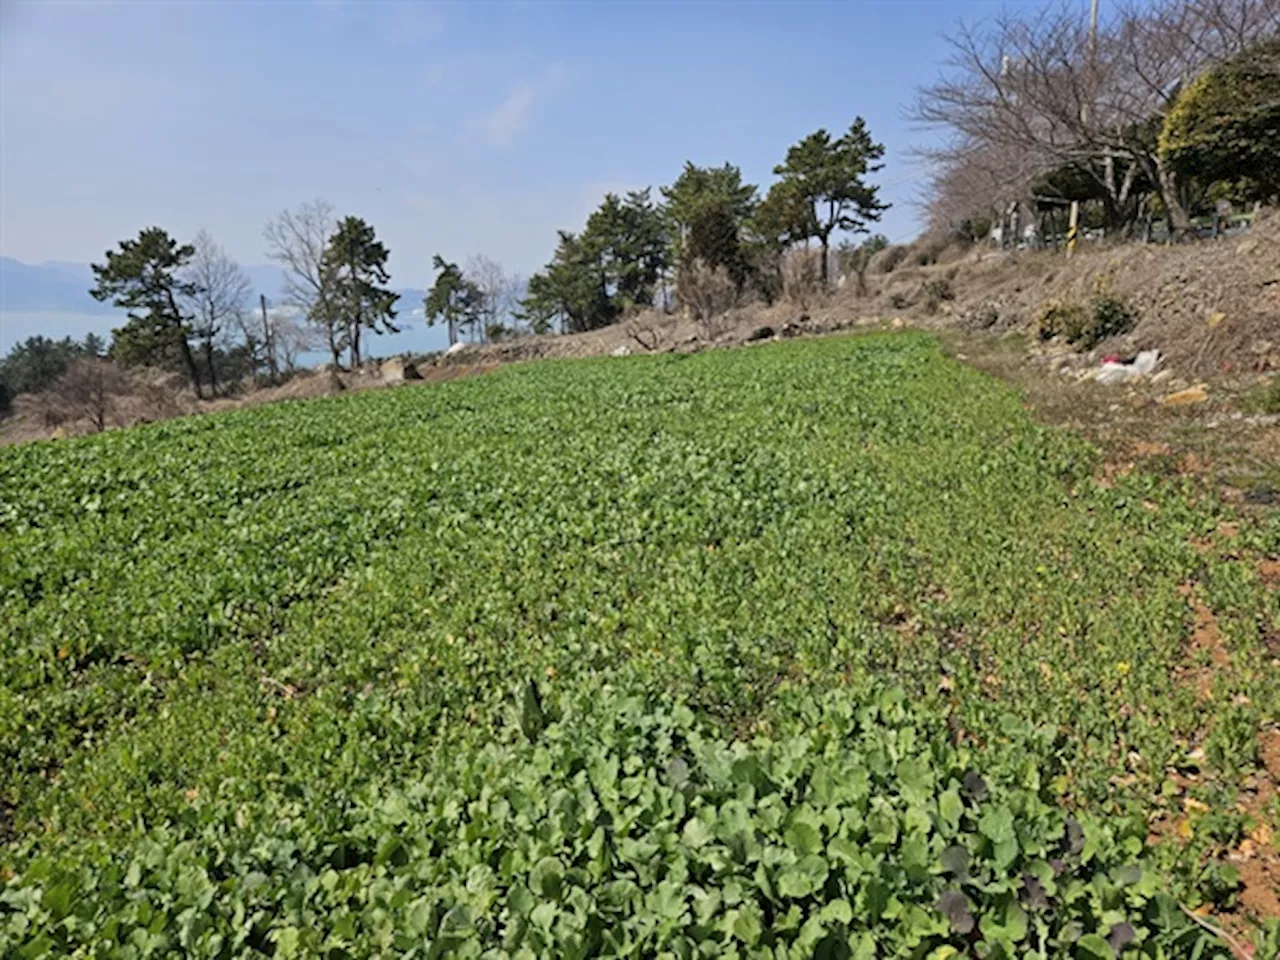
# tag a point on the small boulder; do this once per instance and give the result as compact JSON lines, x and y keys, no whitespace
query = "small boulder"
{"x":760,"y":333}
{"x":620,"y":351}
{"x":398,"y":370}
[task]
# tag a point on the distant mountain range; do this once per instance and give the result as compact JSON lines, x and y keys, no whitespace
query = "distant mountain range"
{"x":60,"y":286}
{"x":54,"y":287}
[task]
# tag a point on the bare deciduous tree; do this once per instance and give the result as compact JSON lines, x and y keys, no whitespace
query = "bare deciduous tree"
{"x":219,"y":295}
{"x":975,"y":180}
{"x":258,"y":331}
{"x":274,"y":338}
{"x":801,"y":269}
{"x":708,"y":292}
{"x":1043,"y":86}
{"x":296,"y":239}
{"x":89,"y":390}
{"x":290,"y":339}
{"x":500,"y":293}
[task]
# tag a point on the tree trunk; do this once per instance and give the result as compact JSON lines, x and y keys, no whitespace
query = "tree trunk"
{"x":355,"y":345}
{"x":331,"y":335}
{"x":825,"y":239}
{"x":189,"y":361}
{"x":1175,"y":212}
{"x":208,"y":358}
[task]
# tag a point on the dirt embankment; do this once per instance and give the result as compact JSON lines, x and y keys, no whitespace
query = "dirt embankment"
{"x":1212,"y":308}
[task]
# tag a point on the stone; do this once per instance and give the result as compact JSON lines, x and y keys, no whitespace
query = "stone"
{"x":398,"y":370}
{"x":760,"y":333}
{"x":621,"y":351}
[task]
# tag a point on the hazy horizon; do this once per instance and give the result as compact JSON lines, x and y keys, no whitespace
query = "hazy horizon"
{"x":16,"y":326}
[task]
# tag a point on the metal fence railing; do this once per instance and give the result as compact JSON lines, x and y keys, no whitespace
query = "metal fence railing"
{"x":1205,"y":228}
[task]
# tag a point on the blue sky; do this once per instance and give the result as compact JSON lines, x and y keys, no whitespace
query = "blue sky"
{"x":457,"y":128}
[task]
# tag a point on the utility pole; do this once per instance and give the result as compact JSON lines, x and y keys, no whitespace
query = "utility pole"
{"x":1074,"y":222}
{"x":268,"y":340}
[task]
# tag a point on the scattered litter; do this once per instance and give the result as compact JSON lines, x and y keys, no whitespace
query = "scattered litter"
{"x":456,"y":348}
{"x":1186,"y":397}
{"x":1114,"y":370}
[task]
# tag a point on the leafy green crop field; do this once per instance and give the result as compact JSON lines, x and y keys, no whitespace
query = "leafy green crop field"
{"x":813,"y":649}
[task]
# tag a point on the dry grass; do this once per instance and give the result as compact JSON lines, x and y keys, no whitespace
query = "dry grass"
{"x":1210,"y":306}
{"x":153,"y":396}
{"x":1223,"y":443}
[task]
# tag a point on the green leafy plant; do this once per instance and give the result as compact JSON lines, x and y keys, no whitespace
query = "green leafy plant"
{"x":1107,"y":315}
{"x":1266,"y":398}
{"x":1059,"y":319}
{"x":818,"y":648}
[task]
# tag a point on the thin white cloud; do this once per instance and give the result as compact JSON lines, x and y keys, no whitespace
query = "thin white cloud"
{"x":511,"y":117}
{"x":514,"y":115}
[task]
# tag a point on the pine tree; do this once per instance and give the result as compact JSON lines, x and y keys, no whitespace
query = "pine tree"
{"x":143,"y":277}
{"x":452,"y":299}
{"x":705,"y":194}
{"x":355,"y":271}
{"x":827,"y":176}
{"x":614,"y":264}
{"x":571,"y":289}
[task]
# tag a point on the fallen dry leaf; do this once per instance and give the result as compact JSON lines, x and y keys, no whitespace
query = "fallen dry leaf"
{"x":1185,"y":397}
